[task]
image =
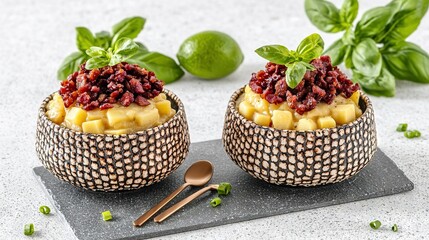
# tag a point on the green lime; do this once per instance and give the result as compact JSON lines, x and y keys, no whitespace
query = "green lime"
{"x":210,"y":55}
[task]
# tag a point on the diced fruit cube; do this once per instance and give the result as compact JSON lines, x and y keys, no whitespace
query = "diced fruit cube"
{"x":117,"y":131}
{"x":321,"y":110}
{"x":160,"y":97}
{"x":306,"y":124}
{"x":94,"y":126}
{"x":344,"y":113}
{"x":326,"y":122}
{"x":261,"y":105}
{"x":147,"y":119}
{"x":282,"y":119}
{"x":164,"y":107}
{"x":116,"y":115}
{"x":246,"y":109}
{"x":76,"y":116}
{"x":96,"y":114}
{"x":56,"y":110}
{"x":261,"y":119}
{"x":355,"y":97}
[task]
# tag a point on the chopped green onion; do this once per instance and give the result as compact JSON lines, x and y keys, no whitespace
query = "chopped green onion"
{"x":402,"y":127}
{"x":44,"y":209}
{"x":215,"y":202}
{"x":107,"y":216}
{"x":395,"y":227}
{"x":409,"y":134}
{"x":28,"y":229}
{"x":224,"y":188}
{"x":417,"y":133}
{"x":375,"y":224}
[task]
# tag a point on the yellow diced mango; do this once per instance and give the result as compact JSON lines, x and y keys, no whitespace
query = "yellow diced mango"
{"x":246,"y":109}
{"x":306,"y":124}
{"x":56,"y":110}
{"x":282,"y":119}
{"x":160,"y":97}
{"x":147,"y":119}
{"x":261,"y":105}
{"x":76,"y":116}
{"x":116,"y":115}
{"x":344,"y":113}
{"x":117,"y":131}
{"x":262,"y":119}
{"x":164,"y":107}
{"x":94,"y":126}
{"x":326,"y":122}
{"x":321,"y":110}
{"x":355,"y":97}
{"x":96,"y":114}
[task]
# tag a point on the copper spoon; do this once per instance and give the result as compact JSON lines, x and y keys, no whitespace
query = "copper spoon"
{"x":164,"y":215}
{"x":198,"y":174}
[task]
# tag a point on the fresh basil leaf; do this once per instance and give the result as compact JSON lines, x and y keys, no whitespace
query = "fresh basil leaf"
{"x":70,"y":64}
{"x":324,"y":15}
{"x":349,"y":37}
{"x":295,"y":73}
{"x":373,"y":22}
{"x":129,"y":28}
{"x":336,"y":51}
{"x":348,"y":61}
{"x":407,"y":61}
{"x":125,"y":47}
{"x":275,"y":53}
{"x":349,"y":11}
{"x":382,"y":85}
{"x":102,"y":39}
{"x":84,"y":38}
{"x":308,"y":66}
{"x":311,"y":47}
{"x":96,"y":51}
{"x":164,"y":67}
{"x":142,"y":47}
{"x":366,"y":58}
{"x":97,"y":62}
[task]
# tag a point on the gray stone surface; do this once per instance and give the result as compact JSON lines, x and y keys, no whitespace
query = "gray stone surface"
{"x":37,"y":35}
{"x":250,"y":198}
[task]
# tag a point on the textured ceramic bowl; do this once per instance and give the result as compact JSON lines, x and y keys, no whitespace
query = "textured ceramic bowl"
{"x":300,"y":158}
{"x":102,"y":162}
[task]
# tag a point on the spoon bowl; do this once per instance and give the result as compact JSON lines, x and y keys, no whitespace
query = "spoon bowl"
{"x":199,"y":173}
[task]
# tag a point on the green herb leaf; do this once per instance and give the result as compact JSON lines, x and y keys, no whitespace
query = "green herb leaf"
{"x":103,"y":39}
{"x":84,"y":38}
{"x":336,"y":51}
{"x":349,"y":11}
{"x":310,"y":48}
{"x":382,"y":85}
{"x":164,"y":67}
{"x":373,"y":22}
{"x":407,"y":61}
{"x":70,"y":64}
{"x":294,"y":73}
{"x":124,"y":49}
{"x":348,"y":61}
{"x":406,"y":20}
{"x":97,"y":62}
{"x":96,"y":51}
{"x":275,"y":53}
{"x":367,"y":58}
{"x":129,"y":28}
{"x":324,"y":15}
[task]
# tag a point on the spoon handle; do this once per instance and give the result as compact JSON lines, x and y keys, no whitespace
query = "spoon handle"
{"x":143,"y":218}
{"x":164,"y":215}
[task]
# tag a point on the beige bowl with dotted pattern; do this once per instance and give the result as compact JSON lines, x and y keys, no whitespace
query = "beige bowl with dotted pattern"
{"x":300,"y":158}
{"x":102,"y":162}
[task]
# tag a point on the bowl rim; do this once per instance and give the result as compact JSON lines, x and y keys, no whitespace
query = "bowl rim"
{"x":171,"y":95}
{"x":237,"y":93}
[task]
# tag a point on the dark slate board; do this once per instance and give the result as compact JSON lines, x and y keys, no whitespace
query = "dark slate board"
{"x":81,"y":209}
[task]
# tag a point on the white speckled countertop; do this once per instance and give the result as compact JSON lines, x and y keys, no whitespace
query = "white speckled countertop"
{"x":37,"y":35}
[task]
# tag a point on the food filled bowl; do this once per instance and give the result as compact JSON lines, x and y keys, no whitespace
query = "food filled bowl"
{"x":124,"y":145}
{"x":326,"y":143}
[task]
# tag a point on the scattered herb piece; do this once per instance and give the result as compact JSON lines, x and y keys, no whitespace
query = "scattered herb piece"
{"x":107,"y":216}
{"x":224,"y":188}
{"x":375,"y":49}
{"x":375,"y":224}
{"x":45,"y":210}
{"x":102,"y":49}
{"x":402,"y":127}
{"x":297,"y":62}
{"x":409,"y":134}
{"x":395,"y":227}
{"x":28,"y":229}
{"x":417,"y":133}
{"x":215,"y":202}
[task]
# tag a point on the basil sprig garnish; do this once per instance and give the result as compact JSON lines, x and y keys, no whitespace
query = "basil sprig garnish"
{"x":297,"y":62}
{"x":375,"y":49}
{"x":104,"y":48}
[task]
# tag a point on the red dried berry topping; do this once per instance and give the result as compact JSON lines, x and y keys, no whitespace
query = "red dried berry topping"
{"x":100,"y":88}
{"x":320,"y":85}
